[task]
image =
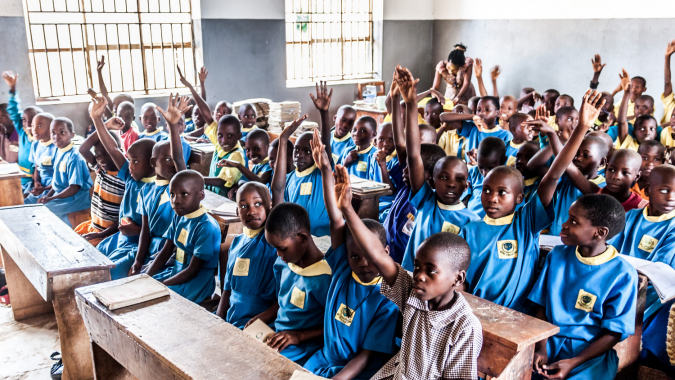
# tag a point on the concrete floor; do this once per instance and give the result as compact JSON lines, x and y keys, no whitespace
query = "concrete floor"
{"x":26,"y":346}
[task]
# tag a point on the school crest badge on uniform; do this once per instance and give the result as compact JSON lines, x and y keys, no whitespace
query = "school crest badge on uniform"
{"x":507,"y":249}
{"x":180,"y":255}
{"x":648,"y":243}
{"x":241,"y":267}
{"x":182,"y":236}
{"x":306,"y":188}
{"x":362,"y":166}
{"x":345,"y":315}
{"x":63,"y":166}
{"x":46,"y":161}
{"x":298,"y":298}
{"x":449,"y":227}
{"x":164,"y":198}
{"x":585,"y":301}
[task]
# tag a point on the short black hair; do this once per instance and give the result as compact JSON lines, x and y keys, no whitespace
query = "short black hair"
{"x":553,"y":91}
{"x":127,"y":97}
{"x":510,"y":171}
{"x":630,"y":155}
{"x":230,"y":119}
{"x":473,"y":99}
{"x":346,"y":108}
{"x":433,"y":102}
{"x":516,"y":120}
{"x":492,"y":147}
{"x":289,"y":145}
{"x":646,"y":97}
{"x":456,"y":57}
{"x":369,"y":121}
{"x":226,"y":103}
{"x":67,"y":122}
{"x":569,"y":97}
{"x":602,"y":144}
{"x":493,"y":99}
{"x":564,"y":111}
{"x":34,"y":109}
{"x":126,"y":104}
{"x":430,"y":154}
{"x":189,"y":175}
{"x":262,"y":190}
{"x":245,"y":106}
{"x":3,"y":107}
{"x":642,"y":118}
{"x":259,"y":134}
{"x":653,"y":144}
{"x":287,"y":219}
{"x":149,"y":105}
{"x":46,"y":115}
{"x":376,"y":228}
{"x":453,"y":247}
{"x":603,"y":210}
{"x":644,"y":81}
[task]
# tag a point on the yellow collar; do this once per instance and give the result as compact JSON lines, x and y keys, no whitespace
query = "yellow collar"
{"x":514,"y":145}
{"x":263,"y":162}
{"x":161,"y":182}
{"x":602,"y":258}
{"x":365,"y":150}
{"x":341,"y":139}
{"x":305,"y":172}
{"x":46,"y":143}
{"x":149,"y":179}
{"x":598,"y":180}
{"x":252,"y":233}
{"x":655,"y":219}
{"x":316,"y":269}
{"x":247,"y":130}
{"x":375,"y":281}
{"x":493,"y":130}
{"x":159,"y":129}
{"x":391,"y":156}
{"x":458,"y":206}
{"x":195,"y":214}
{"x":531,"y":181}
{"x":67,"y":148}
{"x":504,"y":220}
{"x":224,"y":153}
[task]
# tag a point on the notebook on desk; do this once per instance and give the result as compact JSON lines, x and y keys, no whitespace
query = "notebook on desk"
{"x":141,"y":289}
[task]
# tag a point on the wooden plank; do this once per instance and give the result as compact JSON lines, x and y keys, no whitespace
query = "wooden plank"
{"x":173,"y":338}
{"x":11,"y":193}
{"x":27,"y":302}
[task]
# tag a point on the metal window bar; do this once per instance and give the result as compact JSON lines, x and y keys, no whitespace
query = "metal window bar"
{"x":99,"y":27}
{"x":329,"y":40}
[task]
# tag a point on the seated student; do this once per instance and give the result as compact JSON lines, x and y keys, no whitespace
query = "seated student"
{"x":505,"y":244}
{"x":108,"y":191}
{"x":562,"y":101}
{"x":42,"y":155}
{"x":340,"y":138}
{"x":644,"y":106}
{"x":528,"y":97}
{"x":384,"y":166}
{"x":129,"y":134}
{"x":610,"y":147}
{"x":652,"y":153}
{"x":567,"y":118}
{"x":508,"y":107}
{"x":359,"y":323}
{"x":257,"y":147}
{"x":432,"y":113}
{"x":448,"y":138}
{"x":589,"y":292}
{"x":645,"y":125}
{"x":248,"y":117}
{"x":71,"y":182}
{"x":428,"y":134}
{"x":607,"y":119}
{"x":530,"y":180}
{"x":638,"y":85}
{"x":149,"y":119}
{"x":548,"y":100}
{"x":433,"y":309}
{"x":439,"y":208}
{"x":222,"y":178}
{"x":522,"y":133}
{"x":248,"y":285}
{"x":491,"y":153}
{"x":623,"y":171}
{"x":195,"y":236}
{"x":473,"y":104}
{"x":357,"y":159}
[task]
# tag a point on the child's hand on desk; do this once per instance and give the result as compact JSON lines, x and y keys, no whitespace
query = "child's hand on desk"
{"x":343,"y":188}
{"x":288,"y":131}
{"x":558,"y":370}
{"x":98,"y":107}
{"x":90,"y":236}
{"x":44,"y":199}
{"x":322,"y":99}
{"x":128,"y":227}
{"x":351,"y":158}
{"x":203,"y":141}
{"x":590,"y":107}
{"x":38,"y":189}
{"x":115,"y":123}
{"x":281,"y":340}
{"x":319,"y":151}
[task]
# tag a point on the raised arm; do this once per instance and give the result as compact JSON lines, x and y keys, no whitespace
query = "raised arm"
{"x":532,"y":95}
{"x":279,"y":177}
{"x":204,"y":109}
{"x":494,"y":73}
{"x":337,"y":223}
{"x":623,"y":108}
{"x":407,"y":84}
{"x":177,"y":107}
{"x":668,"y":85}
{"x":104,"y":136}
{"x":101,"y":84}
{"x":85,"y":148}
{"x":203,"y":73}
{"x":396,"y":126}
{"x":478,"y":70}
{"x":597,"y":69}
{"x":322,"y":103}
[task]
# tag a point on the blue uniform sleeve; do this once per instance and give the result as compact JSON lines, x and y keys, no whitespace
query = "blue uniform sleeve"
{"x":123,"y":173}
{"x":206,"y":245}
{"x":374,"y":171}
{"x":619,"y":308}
{"x":422,"y":196}
{"x":231,"y":257}
{"x":535,"y":216}
{"x":142,"y":208}
{"x":539,"y":291}
{"x":31,"y":155}
{"x":467,"y":127}
{"x":336,"y":257}
{"x":78,"y":172}
{"x":381,"y":332}
{"x":187,"y":150}
{"x":13,"y":109}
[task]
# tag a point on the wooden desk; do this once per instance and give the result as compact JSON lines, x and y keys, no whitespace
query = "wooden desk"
{"x":228,"y":224}
{"x":367,"y":205}
{"x":375,"y":113}
{"x":628,"y":351}
{"x":508,"y":340}
{"x":45,"y":261}
{"x":201,"y":156}
{"x":172,"y":338}
{"x":11,"y":193}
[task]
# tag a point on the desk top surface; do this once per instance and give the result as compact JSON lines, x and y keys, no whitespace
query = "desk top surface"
{"x":190,"y":340}
{"x":55,"y":246}
{"x":212,"y":201}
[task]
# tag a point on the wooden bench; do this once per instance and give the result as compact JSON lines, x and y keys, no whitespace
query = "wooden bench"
{"x":228,"y":224}
{"x":45,"y":261}
{"x":508,"y":340}
{"x":367,"y":205}
{"x":11,"y":193}
{"x":172,"y":338}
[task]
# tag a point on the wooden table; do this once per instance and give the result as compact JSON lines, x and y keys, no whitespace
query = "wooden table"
{"x":11,"y":193}
{"x":508,"y":340}
{"x":367,"y":205}
{"x":228,"y":224}
{"x":45,"y":260}
{"x":201,"y":156}
{"x":172,"y":338}
{"x":375,"y":113}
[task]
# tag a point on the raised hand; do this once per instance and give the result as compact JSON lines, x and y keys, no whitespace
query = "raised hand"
{"x":597,"y":64}
{"x":182,"y":78}
{"x":406,"y":84}
{"x":98,"y":107}
{"x":394,"y":90}
{"x":381,"y":157}
{"x":440,"y":97}
{"x":319,"y":151}
{"x":480,"y":123}
{"x":478,"y":68}
{"x":10,"y":77}
{"x":590,"y":107}
{"x":343,"y":188}
{"x":670,"y":49}
{"x":115,"y":123}
{"x":203,"y":73}
{"x":472,"y":156}
{"x":543,"y":114}
{"x":100,"y":64}
{"x":539,"y":126}
{"x":625,"y":80}
{"x":288,"y":131}
{"x":494,"y":72}
{"x":322,"y":99}
{"x":174,"y":112}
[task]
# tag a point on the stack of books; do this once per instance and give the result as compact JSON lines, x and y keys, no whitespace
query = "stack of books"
{"x":362,"y":186}
{"x":282,"y":113}
{"x":262,"y":110}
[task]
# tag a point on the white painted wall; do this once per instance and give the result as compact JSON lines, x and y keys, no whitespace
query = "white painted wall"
{"x":11,"y":8}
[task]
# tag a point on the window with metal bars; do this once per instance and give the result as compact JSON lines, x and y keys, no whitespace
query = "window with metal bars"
{"x":142,"y":42}
{"x":328,"y":40}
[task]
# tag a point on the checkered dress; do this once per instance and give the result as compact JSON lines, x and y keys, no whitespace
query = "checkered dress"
{"x":436,"y":344}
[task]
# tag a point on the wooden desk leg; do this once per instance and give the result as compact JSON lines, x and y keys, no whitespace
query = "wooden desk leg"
{"x":77,"y":364}
{"x":106,"y":367}
{"x":12,"y":194}
{"x":369,"y":208}
{"x":26,"y":301}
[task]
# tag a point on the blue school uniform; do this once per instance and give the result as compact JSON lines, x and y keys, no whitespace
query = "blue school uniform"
{"x":25,"y":140}
{"x":529,"y":190}
{"x":473,"y":136}
{"x":250,"y":276}
{"x":650,"y":238}
{"x":360,"y":168}
{"x":584,"y":296}
{"x":246,"y":131}
{"x":195,"y":234}
{"x":613,"y":131}
{"x":260,"y":169}
{"x":306,"y":189}
{"x":70,"y":169}
{"x":340,"y":145}
{"x":357,"y":317}
{"x":187,"y":149}
{"x":231,"y":176}
{"x":566,"y":194}
{"x":42,"y":156}
{"x":302,"y":295}
{"x":475,"y":190}
{"x":511,"y":151}
{"x":399,"y":224}
{"x":375,"y":173}
{"x":655,"y":341}
{"x":158,"y":135}
{"x":189,"y":125}
{"x":432,"y":217}
{"x":504,"y":254}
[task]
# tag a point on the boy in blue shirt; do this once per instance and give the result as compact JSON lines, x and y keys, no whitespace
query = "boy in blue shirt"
{"x":357,"y":160}
{"x":257,"y":149}
{"x":42,"y":156}
{"x":149,"y":119}
{"x":491,"y":153}
{"x":248,"y":117}
{"x":223,"y":178}
{"x":530,"y":180}
{"x":587,"y":290}
{"x":384,"y":166}
{"x":522,"y":133}
{"x":505,"y":244}
{"x":340,"y":138}
{"x":272,"y":155}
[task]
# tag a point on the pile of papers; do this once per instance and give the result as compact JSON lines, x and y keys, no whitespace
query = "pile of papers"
{"x":362,"y":186}
{"x":9,"y":168}
{"x":282,"y":113}
{"x":661,"y":275}
{"x":143,"y":288}
{"x":226,"y":209}
{"x":262,"y":110}
{"x":306,"y":126}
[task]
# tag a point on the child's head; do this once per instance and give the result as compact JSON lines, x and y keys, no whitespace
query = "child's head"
{"x":638,"y":85}
{"x":644,"y":105}
{"x":364,"y":131}
{"x":197,"y":117}
{"x":461,"y":108}
{"x":344,"y":120}
{"x":606,"y":138}
{"x":302,"y":152}
{"x":4,"y":115}
{"x":62,"y":131}
{"x":567,"y":119}
{"x":519,"y":128}
{"x":523,"y":157}
{"x":508,"y":107}
{"x":450,"y":179}
{"x":432,"y":113}
{"x":149,"y":117}
{"x":229,"y":132}
{"x":526,"y":91}
{"x":187,"y":191}
{"x":662,"y":190}
{"x":385,"y":138}
{"x":652,"y":154}
{"x":502,"y":191}
{"x":593,"y":219}
{"x":119,"y":99}
{"x":27,"y":117}
{"x":592,"y":154}
{"x":548,"y":98}
{"x":563,"y":101}
{"x":272,"y":154}
{"x":456,"y":58}
{"x":428,"y":134}
{"x":623,"y":170}
{"x":645,"y":128}
{"x":127,"y":112}
{"x":253,"y":204}
{"x":288,"y":230}
{"x":488,"y":109}
{"x":103,"y":159}
{"x":431,"y":154}
{"x":247,"y":115}
{"x":608,"y":107}
{"x":222,"y":108}
{"x":491,"y":153}
{"x":358,"y":261}
{"x":162,"y":161}
{"x":473,"y":103}
{"x":140,"y":159}
{"x":257,"y":146}
{"x":441,"y":263}
{"x":40,"y":126}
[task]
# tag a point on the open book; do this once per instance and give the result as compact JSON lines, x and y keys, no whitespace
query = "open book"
{"x":226,"y":209}
{"x":301,"y":375}
{"x":141,"y":289}
{"x":360,"y":185}
{"x":259,"y":331}
{"x":9,"y":168}
{"x":661,"y":275}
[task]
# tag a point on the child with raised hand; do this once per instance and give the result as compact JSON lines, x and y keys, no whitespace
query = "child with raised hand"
{"x":588,"y":290}
{"x":71,"y":182}
{"x":430,"y":295}
{"x":129,"y":134}
{"x":494,"y":73}
{"x":257,"y":149}
{"x":491,"y":154}
{"x":505,"y":244}
{"x":645,"y":125}
{"x":195,"y":236}
{"x":150,"y":119}
{"x":359,"y":323}
{"x":522,"y":133}
{"x":439,"y":208}
{"x":247,"y":116}
{"x":42,"y":155}
{"x":357,"y":160}
{"x":384,"y":167}
{"x":249,"y":288}
{"x":653,"y":155}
